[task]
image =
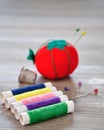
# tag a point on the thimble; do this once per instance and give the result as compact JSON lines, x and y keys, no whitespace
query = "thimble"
{"x":27,"y":76}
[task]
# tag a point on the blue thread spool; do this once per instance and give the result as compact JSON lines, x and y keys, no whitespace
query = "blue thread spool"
{"x":4,"y":95}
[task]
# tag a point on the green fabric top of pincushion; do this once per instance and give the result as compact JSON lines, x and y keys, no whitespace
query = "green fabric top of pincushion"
{"x":31,"y":55}
{"x":57,"y":44}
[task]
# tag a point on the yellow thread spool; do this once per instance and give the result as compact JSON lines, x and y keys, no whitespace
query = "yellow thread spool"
{"x":32,"y":93}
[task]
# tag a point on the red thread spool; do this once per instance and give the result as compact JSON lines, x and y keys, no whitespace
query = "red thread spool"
{"x":56,"y":59}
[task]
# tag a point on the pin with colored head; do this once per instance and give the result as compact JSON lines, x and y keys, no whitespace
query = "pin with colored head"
{"x":81,"y":35}
{"x":76,"y":31}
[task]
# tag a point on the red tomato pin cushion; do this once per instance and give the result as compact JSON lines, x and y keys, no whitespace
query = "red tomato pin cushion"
{"x":56,"y":59}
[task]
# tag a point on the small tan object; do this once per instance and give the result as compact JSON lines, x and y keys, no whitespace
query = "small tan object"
{"x":27,"y":76}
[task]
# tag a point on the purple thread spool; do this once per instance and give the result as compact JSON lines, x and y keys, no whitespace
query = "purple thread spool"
{"x":43,"y":103}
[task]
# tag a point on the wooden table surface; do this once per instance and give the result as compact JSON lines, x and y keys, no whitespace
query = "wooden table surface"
{"x":27,"y":24}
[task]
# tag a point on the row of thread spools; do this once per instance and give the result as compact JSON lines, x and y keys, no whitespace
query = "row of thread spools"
{"x":35,"y":103}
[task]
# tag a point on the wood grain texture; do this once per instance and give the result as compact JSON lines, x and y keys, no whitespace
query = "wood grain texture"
{"x":27,"y":24}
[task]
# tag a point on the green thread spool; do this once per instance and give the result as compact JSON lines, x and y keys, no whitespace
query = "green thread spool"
{"x":45,"y":113}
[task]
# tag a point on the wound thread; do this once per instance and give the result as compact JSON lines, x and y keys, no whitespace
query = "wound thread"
{"x":38,"y":98}
{"x":39,"y":104}
{"x":31,"y":100}
{"x":43,"y":103}
{"x":19,"y":97}
{"x":32,"y":93}
{"x":47,"y":112}
{"x":28,"y":88}
{"x":7,"y":94}
{"x":44,"y":113}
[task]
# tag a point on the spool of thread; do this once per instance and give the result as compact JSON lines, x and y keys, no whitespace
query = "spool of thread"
{"x":27,"y":76}
{"x":19,"y":97}
{"x":37,"y":98}
{"x":4,"y":95}
{"x":45,"y":113}
{"x":39,"y":104}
